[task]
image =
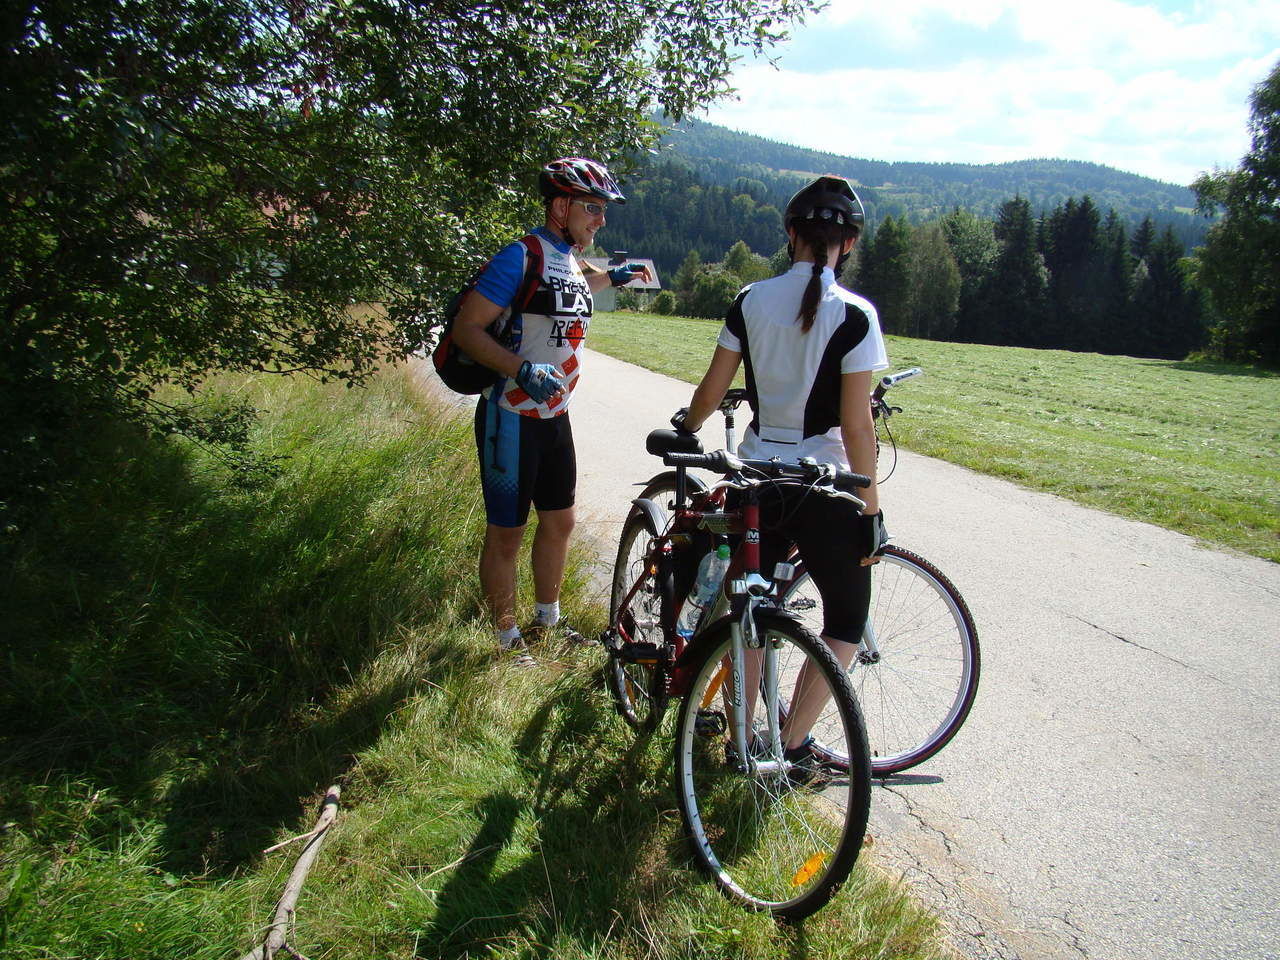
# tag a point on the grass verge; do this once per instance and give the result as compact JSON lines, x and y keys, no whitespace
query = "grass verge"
{"x":1190,"y":445}
{"x":191,"y":662}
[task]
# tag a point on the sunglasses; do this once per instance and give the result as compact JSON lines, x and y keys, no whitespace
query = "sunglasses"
{"x":595,"y":209}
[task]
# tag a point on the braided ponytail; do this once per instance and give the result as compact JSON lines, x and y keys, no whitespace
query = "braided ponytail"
{"x":819,"y":236}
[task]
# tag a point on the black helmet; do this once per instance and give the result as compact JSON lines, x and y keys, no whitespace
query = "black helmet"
{"x":828,"y":198}
{"x":579,"y":177}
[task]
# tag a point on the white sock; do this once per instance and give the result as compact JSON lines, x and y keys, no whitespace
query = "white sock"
{"x":509,"y":637}
{"x":547,"y":614}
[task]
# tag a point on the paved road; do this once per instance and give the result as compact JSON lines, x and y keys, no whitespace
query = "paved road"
{"x":1113,"y":795}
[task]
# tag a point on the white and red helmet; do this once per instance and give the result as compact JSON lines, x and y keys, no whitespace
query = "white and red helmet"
{"x":579,"y":177}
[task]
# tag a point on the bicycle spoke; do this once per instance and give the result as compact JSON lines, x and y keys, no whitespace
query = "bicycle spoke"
{"x":773,"y":842}
{"x":917,"y":691}
{"x":638,"y":687}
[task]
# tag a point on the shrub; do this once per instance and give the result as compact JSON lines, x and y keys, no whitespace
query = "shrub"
{"x":713,"y":292}
{"x":664,"y":303}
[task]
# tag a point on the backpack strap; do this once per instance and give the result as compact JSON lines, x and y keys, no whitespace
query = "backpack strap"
{"x":532,"y":269}
{"x":528,"y":287}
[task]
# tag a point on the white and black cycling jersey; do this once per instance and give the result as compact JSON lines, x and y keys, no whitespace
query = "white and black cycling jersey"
{"x":793,"y":377}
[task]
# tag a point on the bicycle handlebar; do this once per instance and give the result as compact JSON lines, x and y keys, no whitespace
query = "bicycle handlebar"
{"x":721,"y":461}
{"x":892,"y":380}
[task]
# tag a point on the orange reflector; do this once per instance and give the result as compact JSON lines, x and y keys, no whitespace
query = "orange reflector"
{"x":811,"y":866}
{"x":714,"y":686}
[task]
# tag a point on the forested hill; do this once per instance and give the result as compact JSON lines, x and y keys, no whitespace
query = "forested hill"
{"x":702,"y":167}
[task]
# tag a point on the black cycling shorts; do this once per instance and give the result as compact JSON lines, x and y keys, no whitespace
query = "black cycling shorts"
{"x":831,"y":538}
{"x":523,"y":461}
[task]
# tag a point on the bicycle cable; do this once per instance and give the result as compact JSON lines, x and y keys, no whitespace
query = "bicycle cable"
{"x":893,"y":445}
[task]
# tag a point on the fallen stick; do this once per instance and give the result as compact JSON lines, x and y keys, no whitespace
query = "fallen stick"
{"x":278,"y":930}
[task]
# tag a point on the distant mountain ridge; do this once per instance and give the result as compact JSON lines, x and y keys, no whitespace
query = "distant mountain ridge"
{"x":707,"y":187}
{"x":934,"y":188}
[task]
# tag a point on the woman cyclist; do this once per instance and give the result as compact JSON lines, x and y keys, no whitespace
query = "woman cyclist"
{"x":810,"y":347}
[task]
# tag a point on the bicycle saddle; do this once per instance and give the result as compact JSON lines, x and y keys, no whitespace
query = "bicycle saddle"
{"x":660,"y":442}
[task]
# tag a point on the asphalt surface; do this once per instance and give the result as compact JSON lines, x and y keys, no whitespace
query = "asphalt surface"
{"x":1113,"y":794}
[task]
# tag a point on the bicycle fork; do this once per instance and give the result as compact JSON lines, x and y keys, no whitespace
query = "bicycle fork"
{"x":744,"y":678}
{"x":868,"y":649}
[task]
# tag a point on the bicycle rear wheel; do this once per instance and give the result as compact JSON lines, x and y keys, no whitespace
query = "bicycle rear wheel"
{"x":638,"y":686}
{"x":771,"y":841}
{"x":918,"y":688}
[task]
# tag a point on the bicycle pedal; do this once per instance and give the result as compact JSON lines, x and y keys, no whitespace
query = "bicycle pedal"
{"x":642,"y":652}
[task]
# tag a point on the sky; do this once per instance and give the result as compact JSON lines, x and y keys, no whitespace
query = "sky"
{"x":1159,"y":88}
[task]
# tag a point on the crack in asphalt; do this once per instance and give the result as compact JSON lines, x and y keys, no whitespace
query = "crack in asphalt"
{"x":1134,"y":643}
{"x":967,"y":923}
{"x":915,"y":815}
{"x":1165,"y":656}
{"x":1077,"y":935}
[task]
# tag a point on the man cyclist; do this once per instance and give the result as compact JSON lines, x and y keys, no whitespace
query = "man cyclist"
{"x":810,"y":347}
{"x":523,"y":437}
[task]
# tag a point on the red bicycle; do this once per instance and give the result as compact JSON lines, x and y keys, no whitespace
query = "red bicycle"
{"x":777,"y":834}
{"x":917,"y":668}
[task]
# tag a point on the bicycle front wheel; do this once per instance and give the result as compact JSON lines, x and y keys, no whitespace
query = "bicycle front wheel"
{"x":639,"y":687}
{"x":917,"y":685}
{"x":774,"y":838}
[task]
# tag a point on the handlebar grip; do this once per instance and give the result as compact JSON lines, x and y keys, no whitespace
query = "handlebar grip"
{"x":717,"y":461}
{"x":850,"y":482}
{"x":893,"y":379}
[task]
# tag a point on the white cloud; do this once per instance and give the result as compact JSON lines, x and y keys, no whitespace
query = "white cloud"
{"x":1162,"y":93}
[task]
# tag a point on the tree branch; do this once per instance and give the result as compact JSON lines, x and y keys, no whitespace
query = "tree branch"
{"x":285,"y":907}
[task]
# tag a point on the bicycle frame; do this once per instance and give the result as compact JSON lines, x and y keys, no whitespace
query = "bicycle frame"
{"x":747,"y":589}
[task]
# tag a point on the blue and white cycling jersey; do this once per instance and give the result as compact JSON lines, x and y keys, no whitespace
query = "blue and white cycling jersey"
{"x":551,"y":328}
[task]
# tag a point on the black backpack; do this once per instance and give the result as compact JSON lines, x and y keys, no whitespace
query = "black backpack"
{"x":458,"y":371}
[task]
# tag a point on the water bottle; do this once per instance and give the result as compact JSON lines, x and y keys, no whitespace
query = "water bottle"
{"x":711,"y":573}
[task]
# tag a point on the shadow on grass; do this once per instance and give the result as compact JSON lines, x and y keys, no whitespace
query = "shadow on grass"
{"x":170,"y":643}
{"x":600,"y":853}
{"x":1216,"y":368}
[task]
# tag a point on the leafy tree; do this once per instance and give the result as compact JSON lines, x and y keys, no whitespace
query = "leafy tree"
{"x":748,"y":267}
{"x":780,"y":261}
{"x":713,"y":291}
{"x":1240,"y":262}
{"x":628,"y":299}
{"x":884,"y":276}
{"x":935,"y":284}
{"x":753,"y":188}
{"x":190,"y":185}
{"x":973,"y":244}
{"x":664,"y":303}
